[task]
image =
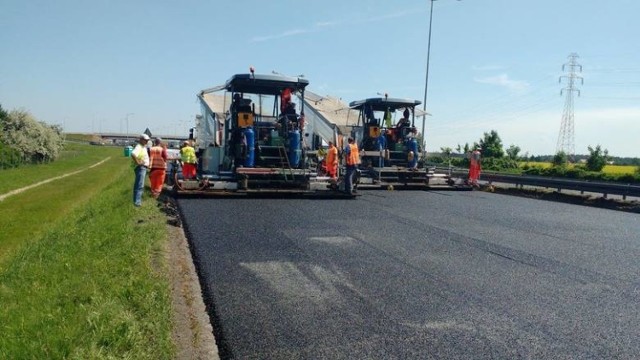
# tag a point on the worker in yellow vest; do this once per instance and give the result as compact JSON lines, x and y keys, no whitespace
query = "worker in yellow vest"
{"x":140,"y":163}
{"x":188,"y":159}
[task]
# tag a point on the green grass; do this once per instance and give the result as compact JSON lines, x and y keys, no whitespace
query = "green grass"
{"x":73,"y":157}
{"x":81,"y":271}
{"x":28,"y":215}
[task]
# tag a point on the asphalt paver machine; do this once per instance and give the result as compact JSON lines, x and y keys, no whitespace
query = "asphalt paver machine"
{"x":390,"y":149}
{"x":258,"y":144}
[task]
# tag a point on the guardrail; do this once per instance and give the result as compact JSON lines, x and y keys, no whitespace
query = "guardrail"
{"x":604,"y":188}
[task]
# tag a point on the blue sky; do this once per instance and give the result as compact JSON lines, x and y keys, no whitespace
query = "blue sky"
{"x":494,"y":64}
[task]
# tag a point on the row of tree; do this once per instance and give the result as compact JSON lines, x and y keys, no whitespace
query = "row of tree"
{"x":25,"y":140}
{"x":495,"y":157}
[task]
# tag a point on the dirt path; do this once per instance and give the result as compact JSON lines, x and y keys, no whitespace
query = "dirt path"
{"x":18,"y":191}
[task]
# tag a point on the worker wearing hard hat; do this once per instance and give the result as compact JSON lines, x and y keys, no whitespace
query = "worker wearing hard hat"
{"x":140,"y":163}
{"x":188,"y":159}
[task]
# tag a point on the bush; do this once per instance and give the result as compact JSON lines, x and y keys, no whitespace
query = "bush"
{"x":436,"y":160}
{"x":597,"y":159}
{"x":9,"y":157}
{"x":532,"y":170}
{"x":560,"y":159}
{"x":33,"y":140}
{"x":499,"y":164}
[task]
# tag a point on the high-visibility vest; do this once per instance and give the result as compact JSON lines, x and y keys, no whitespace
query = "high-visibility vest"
{"x":140,"y":154}
{"x":353,"y":158}
{"x":332,"y":156}
{"x":156,"y":159}
{"x":188,"y":155}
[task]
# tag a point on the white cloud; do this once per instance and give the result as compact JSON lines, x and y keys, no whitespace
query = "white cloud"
{"x":504,"y":81}
{"x":330,"y":23}
{"x":326,"y":23}
{"x":281,"y":35}
{"x":393,"y":15}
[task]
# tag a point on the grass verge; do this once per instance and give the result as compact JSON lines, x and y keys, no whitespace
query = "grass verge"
{"x":26,"y":216}
{"x":88,"y":284}
{"x":73,"y":157}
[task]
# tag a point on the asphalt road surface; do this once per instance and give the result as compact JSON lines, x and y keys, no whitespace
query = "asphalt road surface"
{"x":418,"y":275}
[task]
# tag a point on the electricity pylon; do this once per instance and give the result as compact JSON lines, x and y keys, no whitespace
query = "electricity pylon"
{"x":566,"y":137}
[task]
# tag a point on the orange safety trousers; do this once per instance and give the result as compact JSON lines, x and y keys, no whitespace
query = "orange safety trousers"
{"x":188,"y":171}
{"x":474,"y":171}
{"x":331,"y":162}
{"x":156,"y":178}
{"x":332,"y":170}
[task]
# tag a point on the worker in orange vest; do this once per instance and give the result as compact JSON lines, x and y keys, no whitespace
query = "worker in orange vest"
{"x":331,"y":161}
{"x":474,"y":167}
{"x":353,"y":160}
{"x":158,"y":164}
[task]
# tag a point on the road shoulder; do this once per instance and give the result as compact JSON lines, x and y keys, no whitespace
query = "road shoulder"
{"x":192,"y":331}
{"x":566,"y":196}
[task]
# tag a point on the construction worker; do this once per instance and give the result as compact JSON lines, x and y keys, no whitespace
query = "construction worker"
{"x":140,"y":163}
{"x":188,"y":159}
{"x":331,"y":161}
{"x":352,"y":155}
{"x":474,"y":166}
{"x":158,"y":162}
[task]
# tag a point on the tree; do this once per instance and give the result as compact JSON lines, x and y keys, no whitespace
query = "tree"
{"x":35,"y":140}
{"x":597,"y":158}
{"x":513,"y":151}
{"x":3,"y":115}
{"x":463,"y":150}
{"x":491,"y":145}
{"x":560,"y":159}
{"x":446,"y":151}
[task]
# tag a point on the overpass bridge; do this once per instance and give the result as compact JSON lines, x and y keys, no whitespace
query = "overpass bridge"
{"x":127,"y":139}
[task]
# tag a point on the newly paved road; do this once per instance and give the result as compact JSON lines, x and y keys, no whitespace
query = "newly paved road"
{"x":418,"y":275}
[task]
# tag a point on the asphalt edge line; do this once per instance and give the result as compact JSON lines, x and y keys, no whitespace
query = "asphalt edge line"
{"x":18,"y":191}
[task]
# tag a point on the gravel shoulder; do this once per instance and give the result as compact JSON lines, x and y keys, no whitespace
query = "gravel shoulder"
{"x":192,"y":330}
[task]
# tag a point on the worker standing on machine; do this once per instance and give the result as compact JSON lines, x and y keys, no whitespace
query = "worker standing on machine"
{"x":331,"y":161}
{"x":188,"y":158}
{"x":353,"y":160}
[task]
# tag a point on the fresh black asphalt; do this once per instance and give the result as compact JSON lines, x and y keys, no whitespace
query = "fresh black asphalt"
{"x":418,"y":275}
